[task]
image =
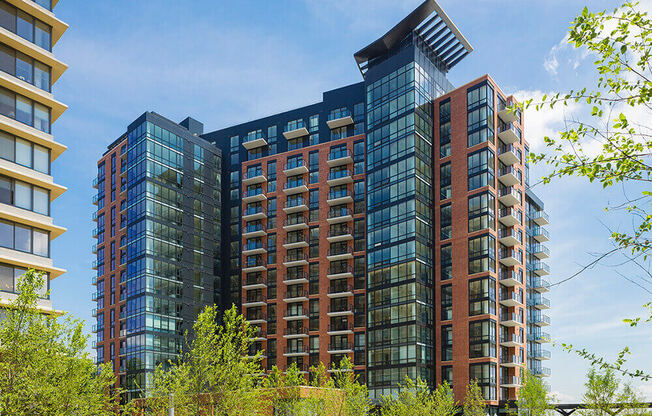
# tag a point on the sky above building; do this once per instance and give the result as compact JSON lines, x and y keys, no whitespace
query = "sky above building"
{"x":224,"y":63}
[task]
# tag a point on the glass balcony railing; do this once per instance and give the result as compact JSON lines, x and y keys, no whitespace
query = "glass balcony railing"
{"x":339,"y":212}
{"x":254,"y":135}
{"x":338,"y":114}
{"x":339,"y":174}
{"x":294,"y":184}
{"x":294,"y":163}
{"x":339,"y":154}
{"x":252,"y":228}
{"x":338,"y":194}
{"x":252,"y":192}
{"x":254,"y":210}
{"x":295,"y":125}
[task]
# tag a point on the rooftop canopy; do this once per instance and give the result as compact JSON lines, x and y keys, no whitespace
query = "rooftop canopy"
{"x":429,"y":22}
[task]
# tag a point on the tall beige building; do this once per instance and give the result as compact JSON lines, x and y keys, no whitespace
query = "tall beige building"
{"x":29,"y":30}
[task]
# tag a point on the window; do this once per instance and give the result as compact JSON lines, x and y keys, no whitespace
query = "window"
{"x":480,"y":118}
{"x":447,"y":343}
{"x":445,"y":129}
{"x":446,"y":262}
{"x":482,"y":296}
{"x":482,"y":339}
{"x":24,"y":67}
{"x":446,"y":302}
{"x":485,"y":375}
{"x":24,"y":195}
{"x":26,"y":26}
{"x":10,"y":277}
{"x":481,"y":212}
{"x":24,"y":153}
{"x":23,"y":238}
{"x":445,"y":191}
{"x":482,"y":254}
{"x":24,"y":110}
{"x":481,"y":165}
{"x":446,"y":221}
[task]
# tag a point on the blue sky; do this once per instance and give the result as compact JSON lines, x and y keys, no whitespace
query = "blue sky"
{"x":227,"y":62}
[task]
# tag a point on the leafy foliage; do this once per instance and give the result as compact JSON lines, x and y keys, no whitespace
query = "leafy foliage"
{"x":605,"y":396}
{"x":533,"y":397}
{"x":415,"y":398}
{"x":474,"y":404}
{"x":45,"y":368}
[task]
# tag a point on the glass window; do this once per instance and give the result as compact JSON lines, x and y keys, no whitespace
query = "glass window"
{"x":22,"y":195}
{"x":42,"y":159}
{"x":23,"y":110}
{"x":42,"y":33}
{"x":6,"y":146}
{"x":7,"y":59}
{"x":41,"y":243}
{"x":6,"y":234}
{"x":6,"y":194}
{"x":41,"y":201}
{"x":41,"y":117}
{"x":6,"y":278}
{"x":7,"y":103}
{"x":23,"y":152}
{"x":24,"y":67}
{"x":8,"y":16}
{"x":25,"y":26}
{"x":42,"y":76}
{"x":23,"y":238}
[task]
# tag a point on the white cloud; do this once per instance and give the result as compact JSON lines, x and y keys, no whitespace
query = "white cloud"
{"x":559,"y":397}
{"x":551,"y":62}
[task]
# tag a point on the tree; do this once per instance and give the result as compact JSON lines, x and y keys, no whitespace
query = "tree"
{"x":605,"y":396}
{"x":533,"y":397}
{"x":619,"y":108}
{"x":415,"y":398}
{"x":214,"y":373}
{"x":45,"y":367}
{"x":474,"y":404}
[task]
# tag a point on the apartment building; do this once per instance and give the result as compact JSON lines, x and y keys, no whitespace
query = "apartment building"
{"x":29,"y":30}
{"x":391,"y":223}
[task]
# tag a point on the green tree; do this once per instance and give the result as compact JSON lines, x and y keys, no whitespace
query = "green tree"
{"x":606,"y":396}
{"x":45,"y":369}
{"x":474,"y":404}
{"x":533,"y":396}
{"x":618,"y":108}
{"x":214,"y":372}
{"x":416,"y":398}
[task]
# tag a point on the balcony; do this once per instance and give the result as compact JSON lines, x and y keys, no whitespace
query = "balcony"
{"x":340,"y":310}
{"x":253,"y":266}
{"x":254,"y":282}
{"x":253,"y":230}
{"x":295,"y":352}
{"x":295,"y":167}
{"x":340,"y":254}
{"x":511,"y":381}
{"x":509,"y":217}
{"x":253,"y":248}
{"x":540,"y":251}
{"x":257,"y":318}
{"x":254,"y":213}
{"x":508,"y":155}
{"x":541,"y":218}
{"x":339,"y":157}
{"x":508,"y":258}
{"x":510,"y":361}
{"x":510,"y":278}
{"x":253,"y":195}
{"x":540,"y":338}
{"x":541,"y":371}
{"x":252,"y":301}
{"x":294,"y":278}
{"x":254,"y":140}
{"x":508,"y":176}
{"x":295,"y":260}
{"x":96,"y":198}
{"x":541,"y":303}
{"x":511,"y":319}
{"x":541,"y":234}
{"x":340,"y":291}
{"x":338,"y":215}
{"x":509,"y":196}
{"x":541,"y":268}
{"x":259,"y":335}
{"x":295,"y":205}
{"x":340,"y":118}
{"x":539,"y":320}
{"x":294,"y":315}
{"x":509,"y":133}
{"x":295,"y":129}
{"x":253,"y":177}
{"x":540,"y":285}
{"x":510,"y":299}
{"x":94,"y":313}
{"x":299,"y":332}
{"x":340,"y":234}
{"x":339,"y":272}
{"x":340,"y":348}
{"x":295,"y":187}
{"x":511,"y":341}
{"x":342,"y":329}
{"x":295,"y":223}
{"x":296,"y":296}
{"x":96,"y":182}
{"x":295,"y":242}
{"x":541,"y":354}
{"x":509,"y":237}
{"x":339,"y":197}
{"x":340,"y":177}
